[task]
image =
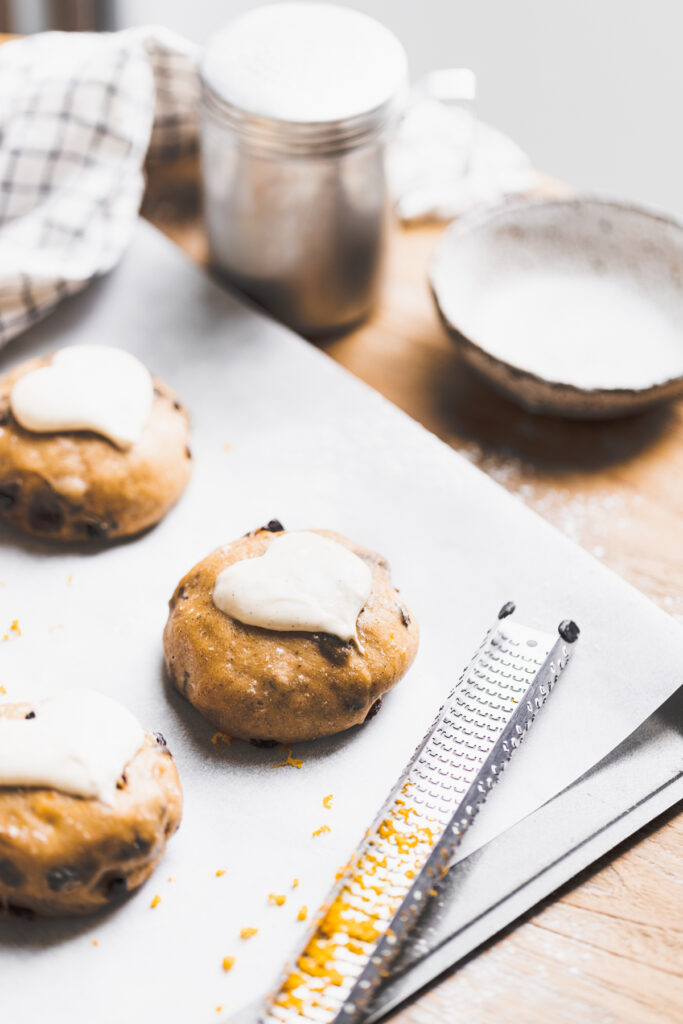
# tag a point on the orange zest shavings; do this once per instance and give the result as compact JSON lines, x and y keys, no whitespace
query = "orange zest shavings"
{"x":156,"y":900}
{"x":290,"y":1002}
{"x":221,"y":737}
{"x":303,"y":913}
{"x":13,"y":631}
{"x":289,"y":762}
{"x":248,"y":933}
{"x":360,"y":914}
{"x":321,"y":830}
{"x":295,"y":883}
{"x":277,"y":899}
{"x":227,"y":963}
{"x":327,"y":801}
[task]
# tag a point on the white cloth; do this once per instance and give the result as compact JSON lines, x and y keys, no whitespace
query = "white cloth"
{"x":79,"y":113}
{"x":444,"y":161}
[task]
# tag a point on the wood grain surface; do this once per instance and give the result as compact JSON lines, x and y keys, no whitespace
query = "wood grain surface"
{"x":608,"y":949}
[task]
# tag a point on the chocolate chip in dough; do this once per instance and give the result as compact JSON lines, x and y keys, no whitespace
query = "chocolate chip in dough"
{"x":69,"y":877}
{"x":115,"y":886}
{"x":374,"y":709}
{"x":334,"y":649}
{"x":95,"y":529}
{"x":45,"y":514}
{"x":24,"y":912}
{"x":10,"y":874}
{"x":9,"y":493}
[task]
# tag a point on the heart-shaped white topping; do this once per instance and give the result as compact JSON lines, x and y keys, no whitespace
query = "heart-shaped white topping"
{"x":79,"y":742}
{"x":303,"y":582}
{"x":86,"y":387}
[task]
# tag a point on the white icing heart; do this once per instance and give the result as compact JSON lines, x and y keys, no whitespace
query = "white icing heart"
{"x":79,"y":742}
{"x":86,"y":387}
{"x":302,"y":582}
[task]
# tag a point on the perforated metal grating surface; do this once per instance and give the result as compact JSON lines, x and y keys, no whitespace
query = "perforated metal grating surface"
{"x":412,"y":841}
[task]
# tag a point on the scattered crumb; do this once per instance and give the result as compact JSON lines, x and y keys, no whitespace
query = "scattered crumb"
{"x":218,"y":1009}
{"x":228,"y":964}
{"x":95,"y":942}
{"x":303,"y":913}
{"x":294,"y":762}
{"x":221,"y":737}
{"x":220,"y":871}
{"x":248,"y":933}
{"x":327,"y":801}
{"x":295,"y":883}
{"x":170,"y":878}
{"x":2,"y":689}
{"x":227,"y":447}
{"x":156,"y":900}
{"x":70,"y":578}
{"x":277,"y":899}
{"x":319,"y":831}
{"x":60,"y":625}
{"x":14,"y":630}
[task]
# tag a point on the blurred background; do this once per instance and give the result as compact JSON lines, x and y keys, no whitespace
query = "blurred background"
{"x":592,"y":89}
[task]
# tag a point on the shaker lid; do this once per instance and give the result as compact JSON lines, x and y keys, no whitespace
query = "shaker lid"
{"x":304,"y":62}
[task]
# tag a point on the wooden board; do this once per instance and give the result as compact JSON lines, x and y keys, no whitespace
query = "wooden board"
{"x":609,"y":947}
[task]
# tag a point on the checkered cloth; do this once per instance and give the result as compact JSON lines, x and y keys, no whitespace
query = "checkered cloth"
{"x":78,"y":115}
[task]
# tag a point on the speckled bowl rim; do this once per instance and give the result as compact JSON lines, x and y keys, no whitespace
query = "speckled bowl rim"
{"x":551,"y":397}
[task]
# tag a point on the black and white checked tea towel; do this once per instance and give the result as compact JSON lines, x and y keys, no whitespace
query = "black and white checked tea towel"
{"x":79,"y":113}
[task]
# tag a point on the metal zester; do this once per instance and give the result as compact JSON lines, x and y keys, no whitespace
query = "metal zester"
{"x":411,"y":843}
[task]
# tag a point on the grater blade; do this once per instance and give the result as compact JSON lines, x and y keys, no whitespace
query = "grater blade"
{"x":410,"y":845}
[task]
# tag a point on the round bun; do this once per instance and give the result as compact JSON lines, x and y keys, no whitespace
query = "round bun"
{"x":266,"y":685}
{"x":77,"y":485}
{"x":63,"y":855}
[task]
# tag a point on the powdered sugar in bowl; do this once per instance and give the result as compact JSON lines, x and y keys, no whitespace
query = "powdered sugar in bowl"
{"x":572,"y":307}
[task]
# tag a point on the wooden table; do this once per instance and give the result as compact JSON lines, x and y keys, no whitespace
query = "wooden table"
{"x":609,"y":947}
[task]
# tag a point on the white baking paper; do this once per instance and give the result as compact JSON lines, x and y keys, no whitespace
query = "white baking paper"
{"x":281,"y":431}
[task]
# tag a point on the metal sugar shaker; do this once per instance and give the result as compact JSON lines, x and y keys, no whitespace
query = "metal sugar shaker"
{"x":298,"y":103}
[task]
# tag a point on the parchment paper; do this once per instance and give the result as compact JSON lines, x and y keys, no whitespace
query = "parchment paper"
{"x":314,"y":447}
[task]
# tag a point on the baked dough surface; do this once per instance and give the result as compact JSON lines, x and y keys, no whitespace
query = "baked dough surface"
{"x":266,"y":685}
{"x":77,"y":485}
{"x":63,"y":855}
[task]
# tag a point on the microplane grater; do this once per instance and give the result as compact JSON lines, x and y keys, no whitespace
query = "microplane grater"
{"x":413,"y":839}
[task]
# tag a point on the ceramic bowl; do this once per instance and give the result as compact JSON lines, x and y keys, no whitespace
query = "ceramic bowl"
{"x":572,"y":307}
